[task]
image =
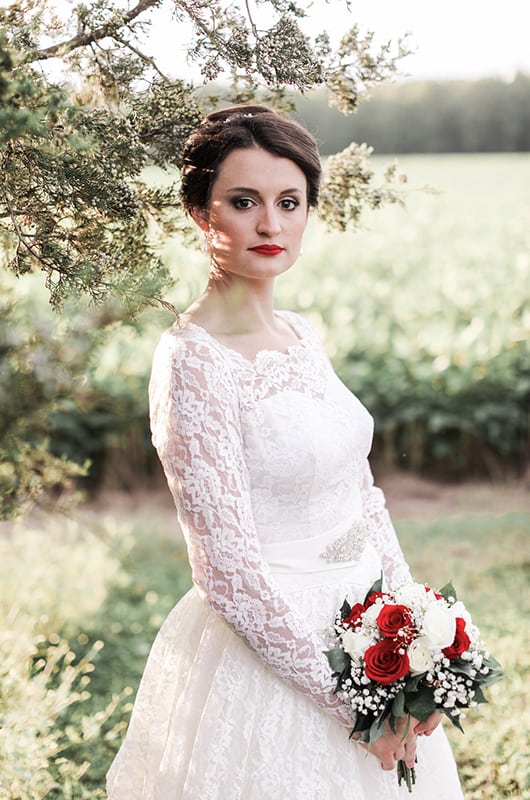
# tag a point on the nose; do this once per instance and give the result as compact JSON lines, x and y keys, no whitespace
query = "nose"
{"x":268,"y":223}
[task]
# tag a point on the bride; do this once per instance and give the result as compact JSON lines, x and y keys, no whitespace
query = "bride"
{"x":265,"y":452}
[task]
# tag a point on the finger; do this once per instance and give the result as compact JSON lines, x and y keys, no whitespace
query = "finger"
{"x":409,"y":756}
{"x":388,"y":762}
{"x":429,"y":725}
{"x":400,"y":753}
{"x":425,"y":730}
{"x":384,"y":757}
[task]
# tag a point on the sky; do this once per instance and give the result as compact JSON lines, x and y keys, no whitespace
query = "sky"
{"x":451,"y":38}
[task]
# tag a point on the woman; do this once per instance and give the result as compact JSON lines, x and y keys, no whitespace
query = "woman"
{"x":265,"y":452}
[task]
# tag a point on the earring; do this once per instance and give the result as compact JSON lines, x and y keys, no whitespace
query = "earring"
{"x":301,"y":251}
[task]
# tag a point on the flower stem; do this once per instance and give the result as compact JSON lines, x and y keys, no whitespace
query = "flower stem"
{"x":407,"y":774}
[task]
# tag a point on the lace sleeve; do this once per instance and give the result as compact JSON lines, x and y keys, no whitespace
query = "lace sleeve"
{"x":382,"y":533}
{"x":196,"y":431}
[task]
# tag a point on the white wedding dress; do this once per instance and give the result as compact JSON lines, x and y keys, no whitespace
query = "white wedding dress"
{"x":267,"y":463}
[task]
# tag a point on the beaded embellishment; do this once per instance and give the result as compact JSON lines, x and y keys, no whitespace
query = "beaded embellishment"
{"x":349,"y":546}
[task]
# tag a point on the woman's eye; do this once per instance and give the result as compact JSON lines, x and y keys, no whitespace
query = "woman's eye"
{"x":243,"y":202}
{"x":289,"y":203}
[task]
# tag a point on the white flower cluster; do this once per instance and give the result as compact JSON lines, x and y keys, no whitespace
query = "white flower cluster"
{"x":365,"y":697}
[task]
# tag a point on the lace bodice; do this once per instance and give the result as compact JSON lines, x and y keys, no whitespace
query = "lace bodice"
{"x":264,"y":451}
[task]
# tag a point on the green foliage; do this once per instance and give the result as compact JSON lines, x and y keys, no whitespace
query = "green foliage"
{"x":32,"y":386}
{"x":348,"y":188}
{"x":46,"y":602}
{"x":55,"y":420}
{"x":81,"y":620}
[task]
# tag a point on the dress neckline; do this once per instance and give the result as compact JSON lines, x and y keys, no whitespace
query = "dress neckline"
{"x":264,"y":354}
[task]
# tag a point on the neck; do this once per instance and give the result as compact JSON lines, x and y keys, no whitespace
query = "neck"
{"x":236,"y":305}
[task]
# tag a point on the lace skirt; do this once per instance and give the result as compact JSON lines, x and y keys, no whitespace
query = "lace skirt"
{"x":211,"y":722}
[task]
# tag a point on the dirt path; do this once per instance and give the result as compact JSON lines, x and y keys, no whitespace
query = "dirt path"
{"x":410,"y":496}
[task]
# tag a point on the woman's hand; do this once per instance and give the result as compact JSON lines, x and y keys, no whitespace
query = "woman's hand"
{"x":393,"y":747}
{"x":427,"y":727}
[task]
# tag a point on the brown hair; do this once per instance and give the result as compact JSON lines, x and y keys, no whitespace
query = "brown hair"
{"x":244,"y":126}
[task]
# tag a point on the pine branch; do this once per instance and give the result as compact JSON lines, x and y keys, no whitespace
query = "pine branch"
{"x":145,"y":58}
{"x":84,"y":39}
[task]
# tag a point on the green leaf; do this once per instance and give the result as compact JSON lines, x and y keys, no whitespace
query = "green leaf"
{"x":455,"y":720}
{"x":398,"y":704}
{"x":420,"y":704}
{"x":345,"y":610}
{"x":492,"y":663}
{"x":407,"y":728}
{"x":462,"y":667}
{"x":413,"y":683}
{"x":479,"y":696}
{"x":491,"y":678}
{"x":362,"y":723}
{"x":376,"y":729}
{"x":338,"y":659}
{"x":448,"y":591}
{"x":377,"y":586}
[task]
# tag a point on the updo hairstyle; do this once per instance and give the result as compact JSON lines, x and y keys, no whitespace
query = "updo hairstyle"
{"x":244,"y":126}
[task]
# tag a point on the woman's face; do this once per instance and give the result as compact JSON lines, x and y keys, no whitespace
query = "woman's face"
{"x":257,"y":214}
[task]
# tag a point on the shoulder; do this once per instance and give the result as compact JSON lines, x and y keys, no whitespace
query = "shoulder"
{"x":303,"y":327}
{"x":187,"y":358}
{"x":189,"y":345}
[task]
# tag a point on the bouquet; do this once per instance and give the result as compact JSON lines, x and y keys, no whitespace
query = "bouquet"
{"x":409,"y":651}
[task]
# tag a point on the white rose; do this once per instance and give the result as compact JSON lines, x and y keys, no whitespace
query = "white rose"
{"x":439,"y":625}
{"x":458,"y":609}
{"x":372,"y":612}
{"x":412,"y":595}
{"x":355,"y":644}
{"x":420,"y":655}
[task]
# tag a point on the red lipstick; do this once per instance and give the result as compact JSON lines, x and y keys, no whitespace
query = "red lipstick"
{"x":267,"y":249}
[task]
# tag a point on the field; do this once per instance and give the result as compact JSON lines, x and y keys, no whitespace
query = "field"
{"x":426,"y":313}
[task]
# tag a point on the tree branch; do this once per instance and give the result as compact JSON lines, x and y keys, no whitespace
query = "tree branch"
{"x":23,"y":239}
{"x":84,"y":39}
{"x":145,"y":58}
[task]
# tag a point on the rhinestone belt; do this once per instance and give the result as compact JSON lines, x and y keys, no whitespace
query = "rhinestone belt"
{"x":349,"y":546}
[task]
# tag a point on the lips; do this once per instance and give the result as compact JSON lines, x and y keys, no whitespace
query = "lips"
{"x":267,"y":249}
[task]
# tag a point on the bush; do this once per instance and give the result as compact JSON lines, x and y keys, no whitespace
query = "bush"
{"x":54,"y":578}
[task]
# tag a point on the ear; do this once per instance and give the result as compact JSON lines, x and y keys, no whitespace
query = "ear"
{"x":200,"y":217}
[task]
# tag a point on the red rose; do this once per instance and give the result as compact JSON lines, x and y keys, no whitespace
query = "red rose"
{"x":354,"y":617}
{"x":461,"y":641}
{"x":384,"y":664}
{"x":370,"y":600}
{"x":395,"y":621}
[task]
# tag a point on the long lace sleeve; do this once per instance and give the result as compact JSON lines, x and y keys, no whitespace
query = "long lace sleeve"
{"x":382,"y":533}
{"x":197,"y":433}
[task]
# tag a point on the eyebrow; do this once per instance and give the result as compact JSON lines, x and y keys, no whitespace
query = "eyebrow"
{"x":250,"y":190}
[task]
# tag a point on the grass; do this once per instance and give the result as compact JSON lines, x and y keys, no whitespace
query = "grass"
{"x":113,"y":582}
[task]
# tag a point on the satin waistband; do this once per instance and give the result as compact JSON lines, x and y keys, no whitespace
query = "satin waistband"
{"x":332,"y":550}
